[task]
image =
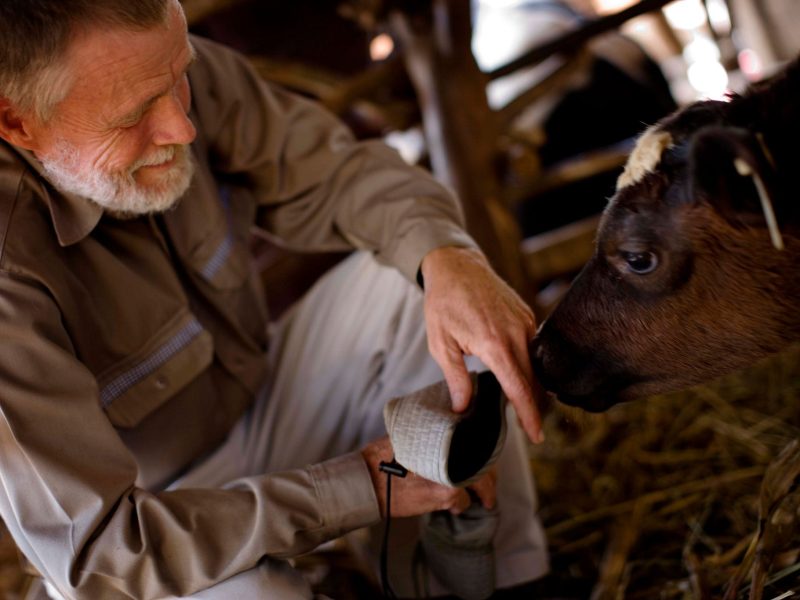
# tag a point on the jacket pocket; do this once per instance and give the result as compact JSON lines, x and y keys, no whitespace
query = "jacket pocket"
{"x":136,"y":387}
{"x":223,"y":262}
{"x":219,"y":255}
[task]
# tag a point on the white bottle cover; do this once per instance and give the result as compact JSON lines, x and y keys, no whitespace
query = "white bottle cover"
{"x":450,"y":448}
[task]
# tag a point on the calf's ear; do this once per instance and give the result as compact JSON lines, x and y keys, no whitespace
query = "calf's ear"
{"x":731,"y":169}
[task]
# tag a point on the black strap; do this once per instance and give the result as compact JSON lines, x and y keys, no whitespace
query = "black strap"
{"x":398,"y":470}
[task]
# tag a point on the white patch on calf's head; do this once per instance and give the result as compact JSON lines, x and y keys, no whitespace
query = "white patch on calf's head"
{"x":645,"y":156}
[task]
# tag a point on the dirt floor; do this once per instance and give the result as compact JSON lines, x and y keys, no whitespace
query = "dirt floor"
{"x":658,"y":499}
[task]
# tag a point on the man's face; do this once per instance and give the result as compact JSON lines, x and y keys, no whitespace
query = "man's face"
{"x":120,"y":136}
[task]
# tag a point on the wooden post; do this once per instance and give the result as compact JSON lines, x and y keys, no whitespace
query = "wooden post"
{"x":460,"y":127}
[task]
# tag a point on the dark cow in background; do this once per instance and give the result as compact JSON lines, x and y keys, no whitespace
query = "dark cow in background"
{"x":688,"y":281}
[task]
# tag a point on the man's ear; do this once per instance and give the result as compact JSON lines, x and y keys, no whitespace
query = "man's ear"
{"x":731,"y":169}
{"x":15,"y":127}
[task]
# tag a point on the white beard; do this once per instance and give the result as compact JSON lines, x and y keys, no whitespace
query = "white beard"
{"x":118,"y":192}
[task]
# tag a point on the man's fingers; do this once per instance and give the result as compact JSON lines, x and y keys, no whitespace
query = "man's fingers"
{"x":529,"y":418}
{"x":458,"y":380}
{"x":461,"y":503}
{"x":539,"y":403}
{"x":537,"y":393}
{"x":486,"y":488}
{"x":519,"y":392}
{"x":411,"y":495}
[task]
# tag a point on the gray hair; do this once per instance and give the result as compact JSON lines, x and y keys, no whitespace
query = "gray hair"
{"x":35,"y":35}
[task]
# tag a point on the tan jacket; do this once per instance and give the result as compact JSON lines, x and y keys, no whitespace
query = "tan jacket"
{"x":128,"y":348}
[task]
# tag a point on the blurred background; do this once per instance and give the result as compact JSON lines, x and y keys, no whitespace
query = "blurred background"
{"x":528,"y":109}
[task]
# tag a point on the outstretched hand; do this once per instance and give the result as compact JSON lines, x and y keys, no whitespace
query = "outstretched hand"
{"x":469,"y":310}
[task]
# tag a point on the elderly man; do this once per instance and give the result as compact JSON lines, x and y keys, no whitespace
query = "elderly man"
{"x":156,"y":441}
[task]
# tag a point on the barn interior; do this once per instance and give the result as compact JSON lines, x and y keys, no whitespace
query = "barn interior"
{"x":529,"y":109}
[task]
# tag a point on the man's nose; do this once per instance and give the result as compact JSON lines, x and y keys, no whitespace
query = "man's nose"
{"x":172,"y":124}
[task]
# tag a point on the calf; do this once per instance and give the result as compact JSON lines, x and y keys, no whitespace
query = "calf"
{"x":688,"y":280}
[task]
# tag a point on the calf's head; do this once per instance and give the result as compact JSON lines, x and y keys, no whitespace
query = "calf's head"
{"x":686,"y":281}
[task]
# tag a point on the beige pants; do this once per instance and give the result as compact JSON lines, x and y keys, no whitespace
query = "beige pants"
{"x":353,"y":342}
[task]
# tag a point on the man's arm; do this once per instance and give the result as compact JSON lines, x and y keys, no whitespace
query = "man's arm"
{"x":315,"y":186}
{"x":68,"y":490}
{"x":321,"y":190}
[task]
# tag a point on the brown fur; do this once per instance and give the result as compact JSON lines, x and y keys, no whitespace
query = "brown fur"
{"x":722,"y":296}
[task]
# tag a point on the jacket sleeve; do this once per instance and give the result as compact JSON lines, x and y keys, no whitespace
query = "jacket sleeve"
{"x":68,"y":489}
{"x":317,"y":187}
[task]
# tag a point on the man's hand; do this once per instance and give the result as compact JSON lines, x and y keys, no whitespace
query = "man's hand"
{"x":469,"y":310}
{"x":414,"y":495}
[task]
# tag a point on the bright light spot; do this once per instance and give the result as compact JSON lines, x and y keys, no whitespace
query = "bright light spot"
{"x":605,"y":7}
{"x":499,"y":36}
{"x":639,"y":28}
{"x":709,"y":78}
{"x":719,"y":16}
{"x":501,"y":3}
{"x":685,"y":14}
{"x":751,"y":64}
{"x":701,"y":49}
{"x":381,"y":47}
{"x":410,"y":144}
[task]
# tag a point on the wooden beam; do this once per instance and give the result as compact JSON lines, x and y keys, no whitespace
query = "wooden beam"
{"x":573,"y":40}
{"x":559,"y":252}
{"x":460,"y":128}
{"x":572,"y":170}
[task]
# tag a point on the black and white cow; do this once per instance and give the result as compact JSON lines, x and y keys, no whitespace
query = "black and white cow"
{"x":695,"y":271}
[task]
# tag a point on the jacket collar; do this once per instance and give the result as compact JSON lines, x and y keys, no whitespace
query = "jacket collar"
{"x":74,"y":217}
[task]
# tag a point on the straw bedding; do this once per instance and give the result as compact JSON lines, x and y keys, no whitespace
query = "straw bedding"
{"x":663,"y":498}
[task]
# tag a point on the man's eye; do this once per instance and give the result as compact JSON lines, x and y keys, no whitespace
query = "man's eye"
{"x":131,"y":121}
{"x":640,"y":263}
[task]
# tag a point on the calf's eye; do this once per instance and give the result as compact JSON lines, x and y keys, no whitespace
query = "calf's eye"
{"x":640,"y":263}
